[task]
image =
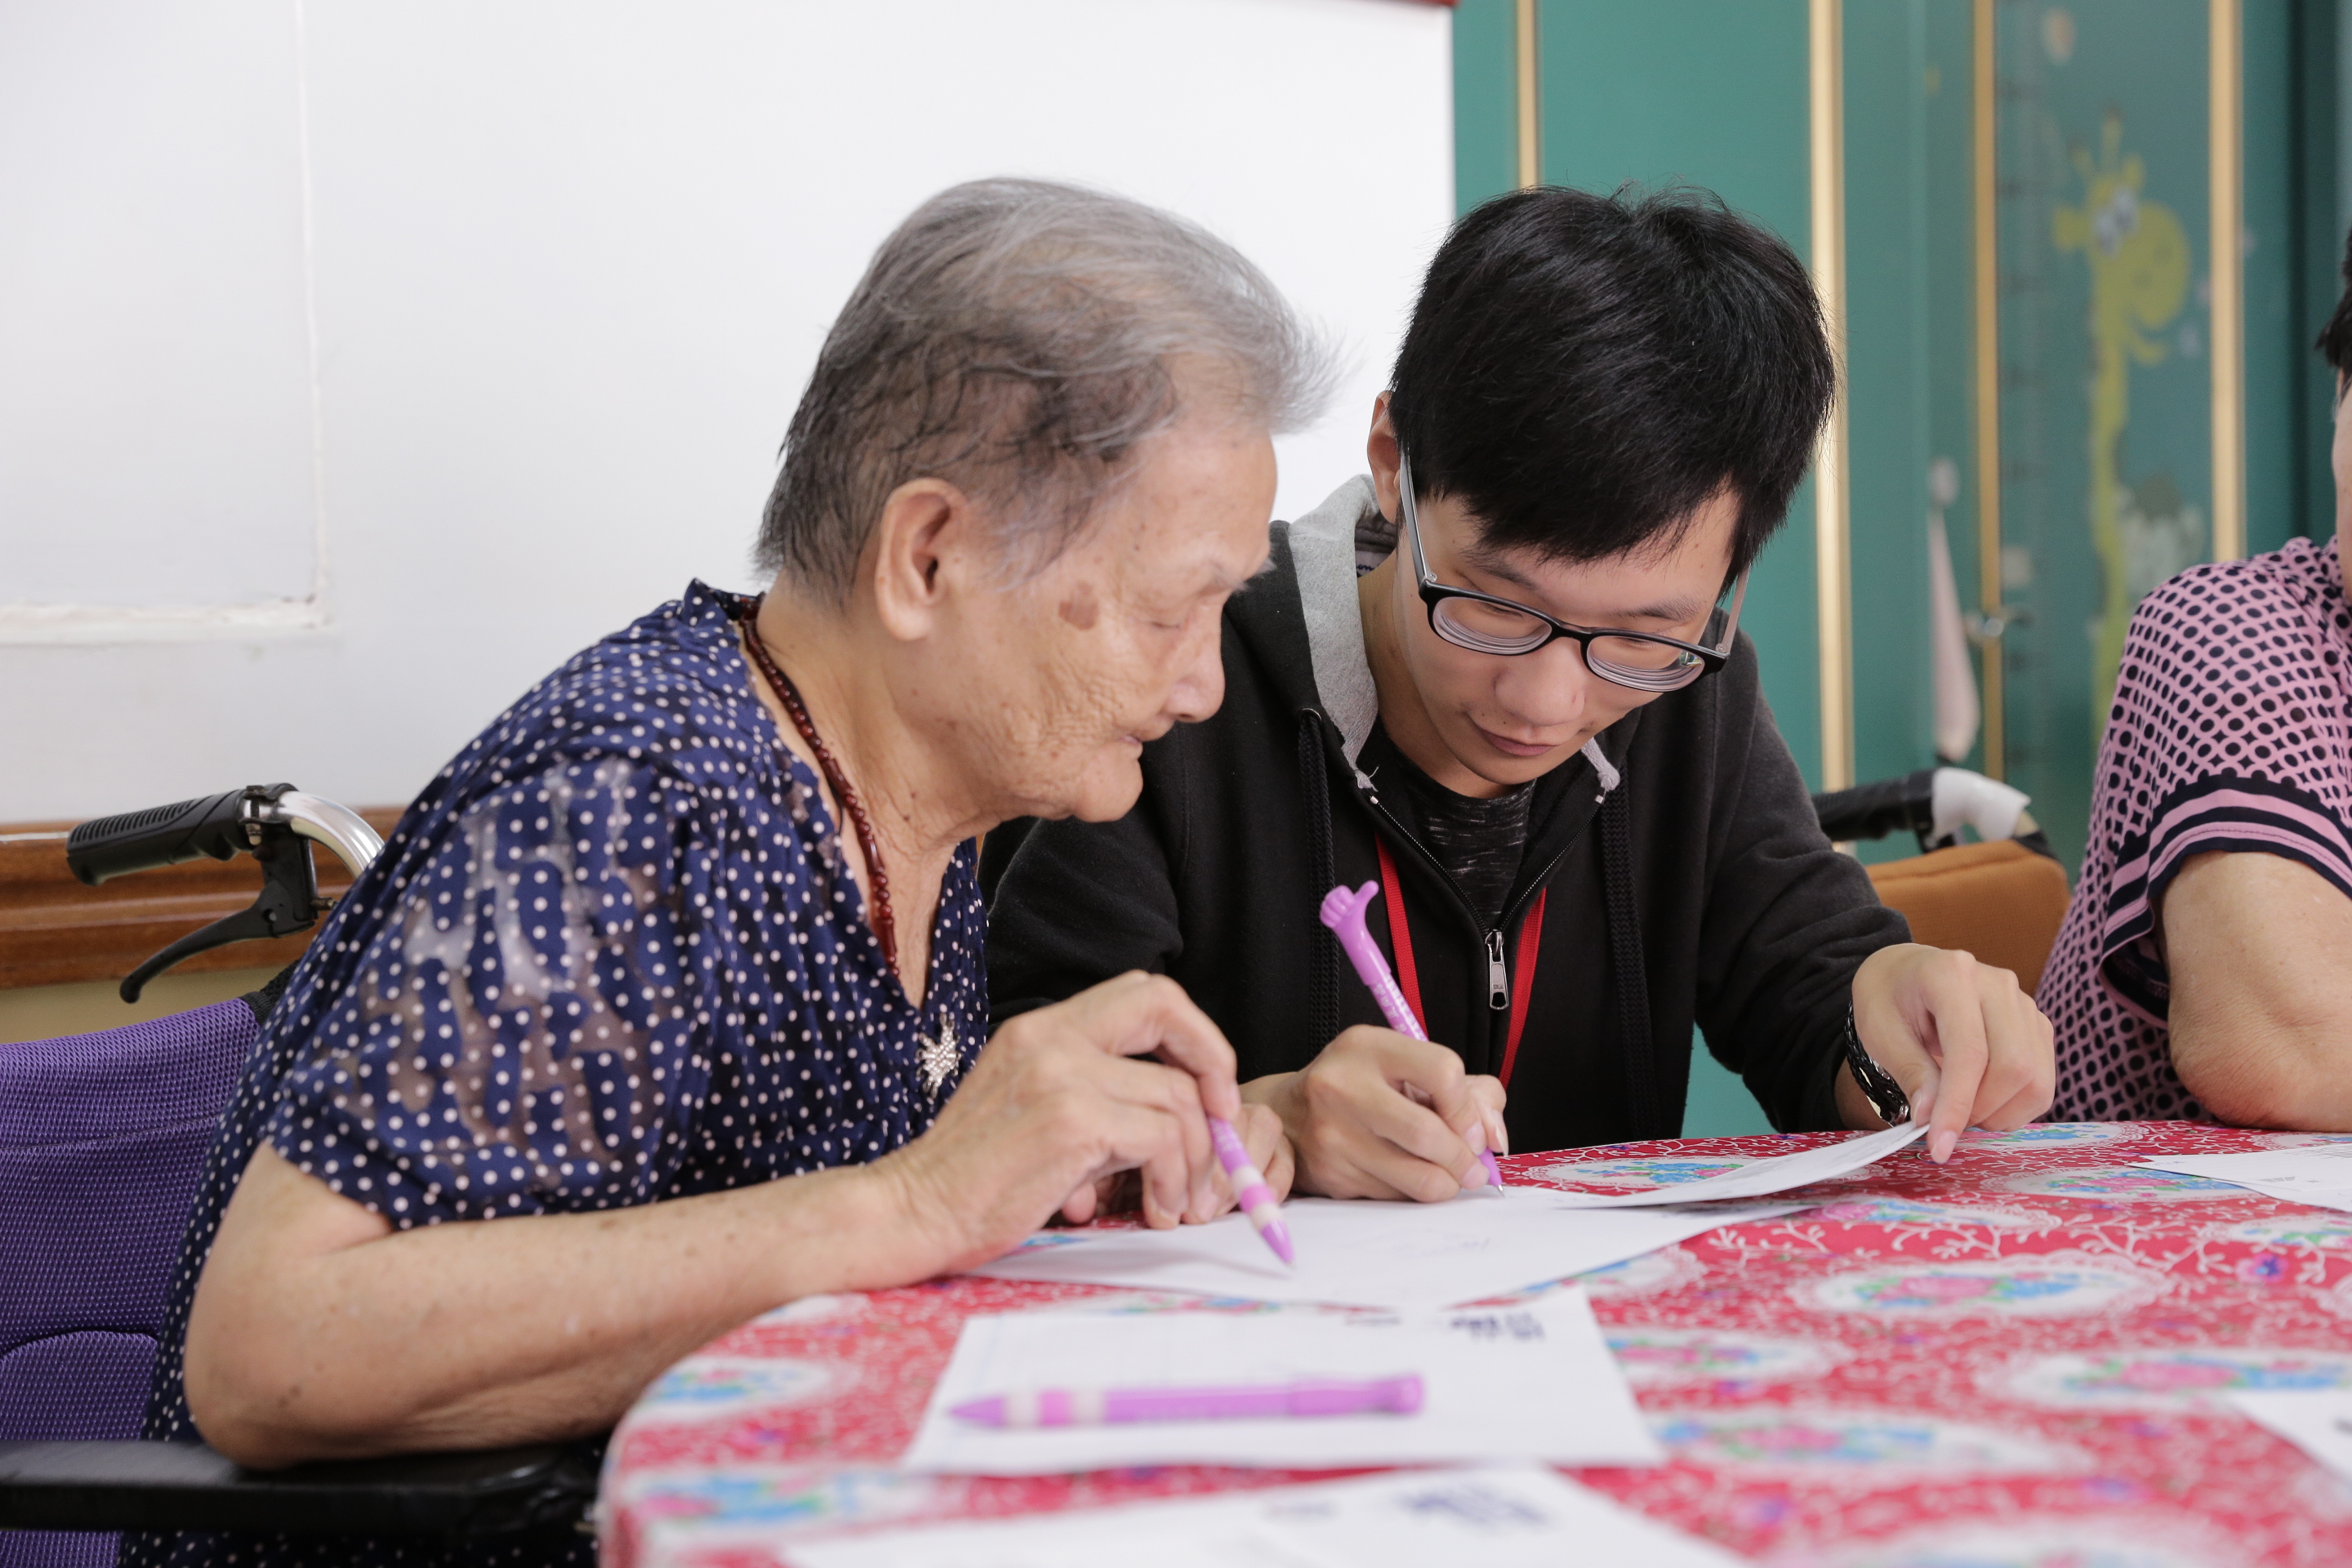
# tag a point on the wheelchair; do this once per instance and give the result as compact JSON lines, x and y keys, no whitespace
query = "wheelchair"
{"x":102,"y":1142}
{"x":2002,"y":898}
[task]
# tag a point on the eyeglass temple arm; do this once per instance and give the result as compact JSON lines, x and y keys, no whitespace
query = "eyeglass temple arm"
{"x":1732,"y":624}
{"x":1408,"y":516}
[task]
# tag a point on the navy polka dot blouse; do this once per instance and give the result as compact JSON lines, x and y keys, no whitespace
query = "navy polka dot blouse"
{"x":612,"y":955}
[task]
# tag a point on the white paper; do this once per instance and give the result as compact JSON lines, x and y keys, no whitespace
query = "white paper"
{"x":1761,"y":1178}
{"x":1482,"y":1518}
{"x":1401,"y":1256}
{"x":2318,"y":1421}
{"x":1533,"y":1380}
{"x":2319,"y":1174}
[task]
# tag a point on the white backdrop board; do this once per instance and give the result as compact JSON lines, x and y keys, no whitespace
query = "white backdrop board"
{"x":466,"y":329}
{"x":155,"y":390}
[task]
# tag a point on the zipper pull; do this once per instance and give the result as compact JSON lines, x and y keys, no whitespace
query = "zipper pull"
{"x":1499,"y":979}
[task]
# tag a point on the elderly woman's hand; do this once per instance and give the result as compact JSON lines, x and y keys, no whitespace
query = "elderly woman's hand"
{"x":1059,"y":1100}
{"x":1269,"y":1149}
{"x":1262,"y":1133}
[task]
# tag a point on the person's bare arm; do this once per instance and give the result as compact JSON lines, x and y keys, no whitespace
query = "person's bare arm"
{"x":318,"y":1332}
{"x":2260,"y":950}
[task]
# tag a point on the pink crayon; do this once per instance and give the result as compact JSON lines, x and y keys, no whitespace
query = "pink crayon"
{"x":1250,"y":1191}
{"x":1030,"y":1408}
{"x":1343,"y":911}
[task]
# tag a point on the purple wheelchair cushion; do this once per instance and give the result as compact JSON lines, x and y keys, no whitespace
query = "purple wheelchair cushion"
{"x":102,"y":1138}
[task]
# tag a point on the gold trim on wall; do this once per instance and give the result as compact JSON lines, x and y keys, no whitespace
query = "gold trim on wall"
{"x":1833,"y":592}
{"x":1527,"y":57}
{"x":2225,"y":122}
{"x":1986,"y":267}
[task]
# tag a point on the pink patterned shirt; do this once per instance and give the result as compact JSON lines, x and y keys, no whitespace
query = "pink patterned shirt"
{"x":2230,"y":731}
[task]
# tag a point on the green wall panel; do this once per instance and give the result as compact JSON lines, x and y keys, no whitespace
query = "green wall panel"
{"x":2107,"y":374}
{"x":1949,"y":277}
{"x":1486,"y":101}
{"x":1710,"y":95}
{"x":2319,"y":216}
{"x":1889,"y":419}
{"x":2320,"y":244}
{"x":2275,"y":385}
{"x":1909,"y":337}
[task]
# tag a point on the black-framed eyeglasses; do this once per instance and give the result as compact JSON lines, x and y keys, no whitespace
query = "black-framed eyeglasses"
{"x":1642,"y":661}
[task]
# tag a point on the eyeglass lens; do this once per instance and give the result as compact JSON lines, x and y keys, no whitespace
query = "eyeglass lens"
{"x":1485,"y":627}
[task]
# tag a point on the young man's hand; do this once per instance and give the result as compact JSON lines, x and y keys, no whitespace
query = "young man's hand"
{"x":1966,"y":1043}
{"x":1381,"y":1115}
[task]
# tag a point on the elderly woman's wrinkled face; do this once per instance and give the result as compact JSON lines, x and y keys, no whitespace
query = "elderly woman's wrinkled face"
{"x":1117,"y":641}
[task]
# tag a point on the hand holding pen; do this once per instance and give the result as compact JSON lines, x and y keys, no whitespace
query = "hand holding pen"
{"x":1123,"y":1078}
{"x":1343,"y":910}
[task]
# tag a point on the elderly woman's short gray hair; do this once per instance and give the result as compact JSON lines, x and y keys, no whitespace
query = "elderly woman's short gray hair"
{"x":1019,"y":339}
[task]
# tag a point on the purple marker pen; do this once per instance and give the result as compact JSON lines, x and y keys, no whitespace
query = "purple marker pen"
{"x":1343,"y":911}
{"x":1035,"y":1408}
{"x":1254,"y":1198}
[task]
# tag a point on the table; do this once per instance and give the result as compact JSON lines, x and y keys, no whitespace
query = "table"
{"x":2016,"y":1359}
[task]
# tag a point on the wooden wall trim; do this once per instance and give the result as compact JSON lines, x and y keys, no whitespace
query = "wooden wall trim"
{"x":54,"y":931}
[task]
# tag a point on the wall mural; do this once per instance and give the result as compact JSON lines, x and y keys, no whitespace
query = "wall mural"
{"x":2138,"y":256}
{"x":2105,"y":382}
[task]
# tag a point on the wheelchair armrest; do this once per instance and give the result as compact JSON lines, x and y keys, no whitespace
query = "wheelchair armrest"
{"x":186,"y":1485}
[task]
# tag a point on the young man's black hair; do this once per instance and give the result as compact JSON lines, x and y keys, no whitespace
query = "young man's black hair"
{"x":1582,"y":371}
{"x":1510,"y":692}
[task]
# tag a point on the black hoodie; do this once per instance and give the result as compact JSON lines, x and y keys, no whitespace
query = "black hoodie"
{"x":1682,"y":874}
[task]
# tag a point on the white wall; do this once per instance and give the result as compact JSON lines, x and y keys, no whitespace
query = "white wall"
{"x":359,"y":362}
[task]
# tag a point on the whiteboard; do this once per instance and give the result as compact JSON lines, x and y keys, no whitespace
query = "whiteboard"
{"x":156,"y":359}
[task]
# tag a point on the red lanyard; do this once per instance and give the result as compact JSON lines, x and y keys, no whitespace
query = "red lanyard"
{"x":1408,"y":974}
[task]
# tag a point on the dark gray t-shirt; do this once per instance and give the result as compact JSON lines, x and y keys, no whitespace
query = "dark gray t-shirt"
{"x":1479,"y":842}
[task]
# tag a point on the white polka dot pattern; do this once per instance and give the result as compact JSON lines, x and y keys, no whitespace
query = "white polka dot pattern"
{"x":612,"y":956}
{"x":2230,"y":731}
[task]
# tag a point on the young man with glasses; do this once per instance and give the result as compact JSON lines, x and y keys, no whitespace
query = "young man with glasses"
{"x":1502,"y":676}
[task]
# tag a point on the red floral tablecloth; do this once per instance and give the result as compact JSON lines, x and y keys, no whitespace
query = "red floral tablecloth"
{"x":2017,"y":1359}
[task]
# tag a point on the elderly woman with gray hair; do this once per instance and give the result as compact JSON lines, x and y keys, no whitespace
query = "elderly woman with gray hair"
{"x":676,"y":970}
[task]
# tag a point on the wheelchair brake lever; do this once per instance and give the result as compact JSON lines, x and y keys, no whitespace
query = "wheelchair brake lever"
{"x":289,"y":902}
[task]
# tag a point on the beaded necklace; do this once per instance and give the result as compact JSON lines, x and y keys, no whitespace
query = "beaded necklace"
{"x":886,"y":927}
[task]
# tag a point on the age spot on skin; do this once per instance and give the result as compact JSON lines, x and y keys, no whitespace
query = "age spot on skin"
{"x":1080,"y":610}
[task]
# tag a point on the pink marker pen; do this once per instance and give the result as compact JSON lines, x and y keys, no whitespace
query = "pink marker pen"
{"x":1250,"y":1191}
{"x":1343,"y":911}
{"x":1036,"y":1407}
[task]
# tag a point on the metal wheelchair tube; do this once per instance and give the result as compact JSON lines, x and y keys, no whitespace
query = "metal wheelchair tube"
{"x":339,"y":827}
